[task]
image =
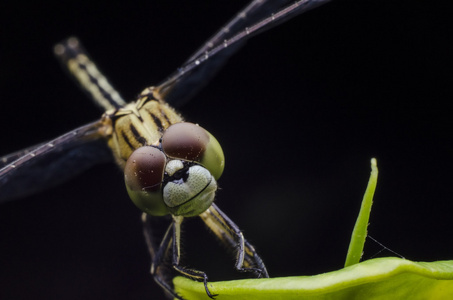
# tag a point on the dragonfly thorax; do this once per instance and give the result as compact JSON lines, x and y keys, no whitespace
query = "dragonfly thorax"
{"x":138,"y":124}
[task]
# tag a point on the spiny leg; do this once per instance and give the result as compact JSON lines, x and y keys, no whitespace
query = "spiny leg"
{"x":158,"y":270}
{"x":176,"y":254}
{"x":171,"y":238}
{"x":247,"y":260}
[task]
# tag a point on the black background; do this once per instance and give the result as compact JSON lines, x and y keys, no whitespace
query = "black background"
{"x":299,"y":111}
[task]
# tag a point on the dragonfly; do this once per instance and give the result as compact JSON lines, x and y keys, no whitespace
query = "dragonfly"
{"x":171,"y":166}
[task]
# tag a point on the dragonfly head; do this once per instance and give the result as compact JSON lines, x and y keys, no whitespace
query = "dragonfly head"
{"x":178,"y":177}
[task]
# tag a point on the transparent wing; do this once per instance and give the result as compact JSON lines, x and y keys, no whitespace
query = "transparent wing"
{"x":48,"y":164}
{"x":204,"y":63}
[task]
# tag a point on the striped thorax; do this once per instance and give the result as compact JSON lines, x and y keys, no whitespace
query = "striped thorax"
{"x":138,"y":124}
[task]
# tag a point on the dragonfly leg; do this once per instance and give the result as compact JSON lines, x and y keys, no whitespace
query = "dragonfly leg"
{"x":160,"y":273}
{"x":176,"y":253}
{"x":247,"y":260}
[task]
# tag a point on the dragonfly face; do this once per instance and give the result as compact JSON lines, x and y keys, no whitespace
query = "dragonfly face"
{"x":179,"y":177}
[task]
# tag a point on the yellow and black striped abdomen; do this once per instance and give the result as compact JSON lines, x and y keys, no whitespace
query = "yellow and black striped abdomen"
{"x":138,"y":124}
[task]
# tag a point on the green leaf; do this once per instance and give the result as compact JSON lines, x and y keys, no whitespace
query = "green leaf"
{"x":359,"y":233}
{"x":381,"y":278}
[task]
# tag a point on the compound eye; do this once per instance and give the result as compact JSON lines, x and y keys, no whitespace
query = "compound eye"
{"x":185,"y":141}
{"x":190,"y":142}
{"x":143,"y":174}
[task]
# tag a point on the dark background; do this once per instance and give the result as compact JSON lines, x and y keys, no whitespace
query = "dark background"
{"x":300,"y":111}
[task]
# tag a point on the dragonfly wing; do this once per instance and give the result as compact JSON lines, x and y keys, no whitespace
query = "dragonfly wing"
{"x":9,"y":158}
{"x":203,"y":64}
{"x":46,"y":165}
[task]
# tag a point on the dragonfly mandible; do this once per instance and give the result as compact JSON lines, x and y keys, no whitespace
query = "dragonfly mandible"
{"x":179,"y":176}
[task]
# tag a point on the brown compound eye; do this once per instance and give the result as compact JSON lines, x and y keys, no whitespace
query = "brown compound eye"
{"x":185,"y":141}
{"x":190,"y":142}
{"x":143,"y":174}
